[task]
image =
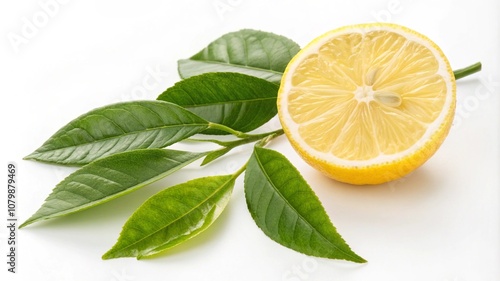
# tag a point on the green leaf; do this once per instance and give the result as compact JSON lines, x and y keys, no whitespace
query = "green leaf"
{"x":173,"y":216}
{"x":252,"y":52}
{"x":216,"y":154}
{"x":287,"y":210}
{"x":110,"y":177}
{"x":238,"y":101}
{"x":116,"y":128}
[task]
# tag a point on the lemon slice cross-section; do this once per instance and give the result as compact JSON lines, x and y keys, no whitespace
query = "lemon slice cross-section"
{"x":369,"y":103}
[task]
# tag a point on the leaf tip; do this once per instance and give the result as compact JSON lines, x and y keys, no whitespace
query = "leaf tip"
{"x":205,"y":162}
{"x":29,"y":221}
{"x":117,"y":252}
{"x":109,"y":255}
{"x":358,"y":259}
{"x":350,"y":255}
{"x":30,"y":156}
{"x":106,"y":256}
{"x":36,"y":156}
{"x":24,"y":224}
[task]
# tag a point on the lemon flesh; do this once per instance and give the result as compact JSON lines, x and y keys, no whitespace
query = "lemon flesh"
{"x":369,"y":103}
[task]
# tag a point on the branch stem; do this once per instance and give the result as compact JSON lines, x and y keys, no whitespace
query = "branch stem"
{"x":227,"y":130}
{"x":466,"y":71}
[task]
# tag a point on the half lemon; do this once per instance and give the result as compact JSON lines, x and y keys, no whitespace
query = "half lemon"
{"x":368,"y":103}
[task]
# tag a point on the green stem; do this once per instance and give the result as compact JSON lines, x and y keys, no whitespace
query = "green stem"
{"x":241,"y":170}
{"x":249,"y":139}
{"x":267,"y":139}
{"x":229,"y":145}
{"x":262,"y":142}
{"x":228,"y":130}
{"x":463,"y":72}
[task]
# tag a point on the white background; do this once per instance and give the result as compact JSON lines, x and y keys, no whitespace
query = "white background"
{"x":440,"y":223}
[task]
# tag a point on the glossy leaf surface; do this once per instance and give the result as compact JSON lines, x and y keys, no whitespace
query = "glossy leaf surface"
{"x":238,"y":101}
{"x":116,"y":128}
{"x":252,"y":52}
{"x":287,"y":210}
{"x":111,"y":177}
{"x":173,"y":216}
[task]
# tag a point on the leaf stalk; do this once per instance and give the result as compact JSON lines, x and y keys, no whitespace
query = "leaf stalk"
{"x":227,"y":130}
{"x":466,"y":71}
